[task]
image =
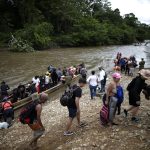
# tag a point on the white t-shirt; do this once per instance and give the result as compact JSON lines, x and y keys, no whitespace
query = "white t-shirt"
{"x":101,"y":75}
{"x":36,"y":81}
{"x":92,"y":80}
{"x":47,"y":78}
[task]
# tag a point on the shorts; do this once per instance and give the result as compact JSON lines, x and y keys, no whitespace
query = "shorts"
{"x":38,"y":133}
{"x":134,"y":99}
{"x":72,"y":112}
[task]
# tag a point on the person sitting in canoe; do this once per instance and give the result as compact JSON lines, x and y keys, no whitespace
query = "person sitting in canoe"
{"x":4,"y":89}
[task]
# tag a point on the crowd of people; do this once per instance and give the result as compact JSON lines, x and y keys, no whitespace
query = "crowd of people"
{"x":113,"y":95}
{"x":38,"y":84}
{"x":127,"y":65}
{"x":112,"y":100}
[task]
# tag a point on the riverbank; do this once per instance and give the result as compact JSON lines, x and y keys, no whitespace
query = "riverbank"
{"x":126,"y":136}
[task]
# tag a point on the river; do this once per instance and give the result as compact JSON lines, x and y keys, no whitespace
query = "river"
{"x":18,"y":68}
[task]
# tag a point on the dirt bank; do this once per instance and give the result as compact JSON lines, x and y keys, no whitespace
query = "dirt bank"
{"x":126,"y":136}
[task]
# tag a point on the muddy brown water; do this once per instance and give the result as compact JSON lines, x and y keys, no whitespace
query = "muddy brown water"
{"x":21,"y":67}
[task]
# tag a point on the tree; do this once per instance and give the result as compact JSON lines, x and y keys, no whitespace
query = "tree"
{"x":131,"y":20}
{"x":45,"y":23}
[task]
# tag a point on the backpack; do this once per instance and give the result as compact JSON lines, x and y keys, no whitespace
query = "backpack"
{"x":67,"y":96}
{"x":131,"y":84}
{"x":120,"y":94}
{"x":25,"y":114}
{"x":104,"y":115}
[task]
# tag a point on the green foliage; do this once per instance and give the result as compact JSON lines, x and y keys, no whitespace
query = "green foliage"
{"x":18,"y":45}
{"x":89,"y":32}
{"x":49,"y":23}
{"x":86,"y":32}
{"x":39,"y":35}
{"x":4,"y":38}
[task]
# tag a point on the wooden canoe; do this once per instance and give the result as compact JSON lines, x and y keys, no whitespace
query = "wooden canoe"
{"x":50,"y":91}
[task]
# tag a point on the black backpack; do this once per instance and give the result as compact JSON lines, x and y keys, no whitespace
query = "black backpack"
{"x":68,"y":95}
{"x":25,"y":114}
{"x":131,"y":84}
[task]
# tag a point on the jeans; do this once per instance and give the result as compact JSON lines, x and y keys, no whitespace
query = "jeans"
{"x":8,"y":114}
{"x":93,"y":91}
{"x":112,"y":108}
{"x":132,"y":72}
{"x":123,"y":68}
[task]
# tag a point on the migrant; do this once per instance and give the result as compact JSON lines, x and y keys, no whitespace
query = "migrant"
{"x":74,"y":107}
{"x":134,"y":90}
{"x":31,"y":115}
{"x":93,"y":82}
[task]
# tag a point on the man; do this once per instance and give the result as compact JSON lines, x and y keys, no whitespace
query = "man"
{"x":122,"y":64}
{"x":8,"y":111}
{"x":83,"y":73}
{"x":21,"y":90}
{"x":74,"y":106}
{"x":59,"y":73}
{"x":141,"y":64}
{"x":54,"y":77}
{"x":102,"y":79}
{"x":4,"y":89}
{"x":36,"y":124}
{"x":135,"y":88}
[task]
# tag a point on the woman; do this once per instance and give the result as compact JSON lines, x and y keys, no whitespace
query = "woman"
{"x":111,"y":97}
{"x":93,"y":82}
{"x":36,"y":81}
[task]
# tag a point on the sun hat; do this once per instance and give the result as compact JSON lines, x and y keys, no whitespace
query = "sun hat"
{"x":47,"y":73}
{"x":145,"y":73}
{"x":116,"y":75}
